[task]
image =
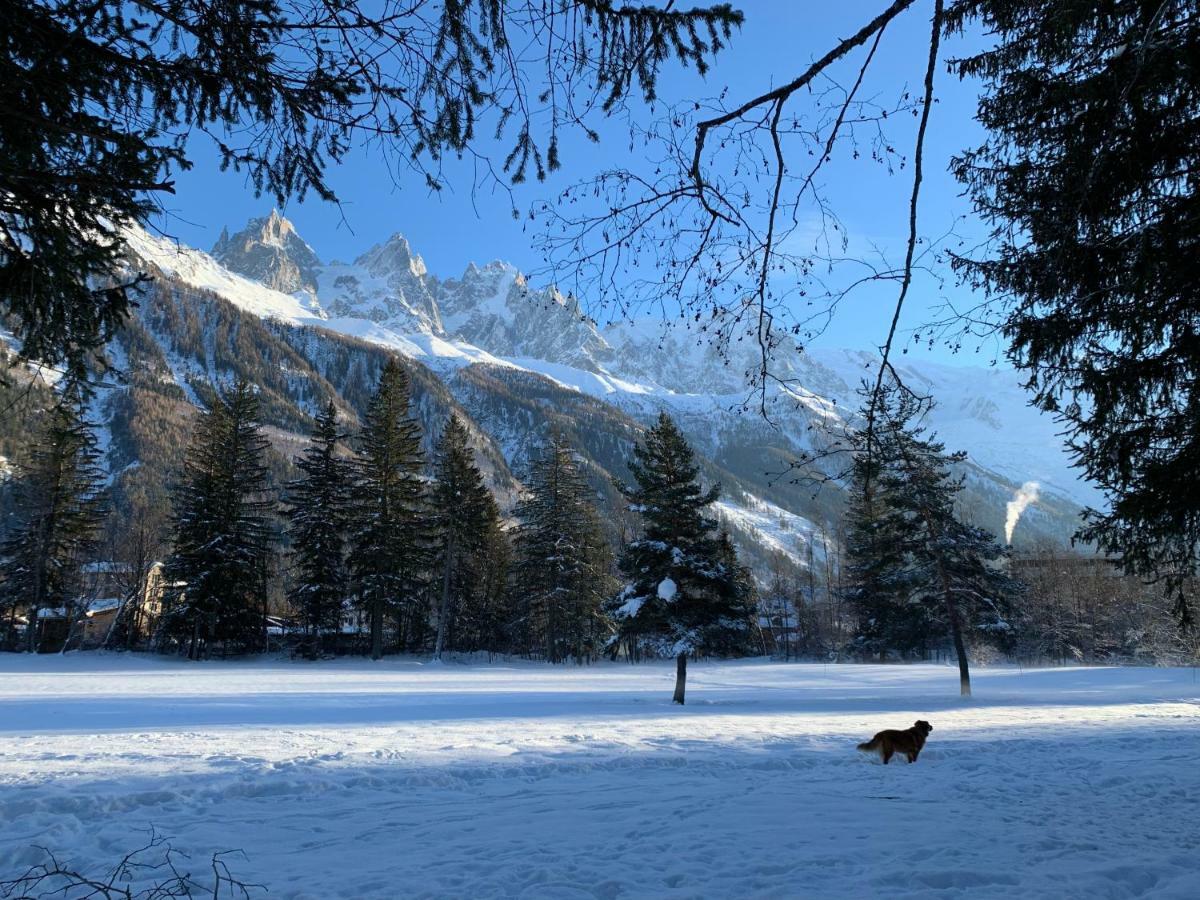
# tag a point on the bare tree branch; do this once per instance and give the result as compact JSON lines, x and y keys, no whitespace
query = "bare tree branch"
{"x":885,"y":366}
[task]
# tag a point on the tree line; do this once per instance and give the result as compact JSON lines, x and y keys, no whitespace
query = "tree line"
{"x":374,"y":548}
{"x":372,"y":538}
{"x":1083,"y":180}
{"x":905,"y":576}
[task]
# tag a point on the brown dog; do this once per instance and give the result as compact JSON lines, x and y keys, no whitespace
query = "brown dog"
{"x":910,"y":742}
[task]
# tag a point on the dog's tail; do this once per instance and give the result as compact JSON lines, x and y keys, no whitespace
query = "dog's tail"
{"x":871,"y":746}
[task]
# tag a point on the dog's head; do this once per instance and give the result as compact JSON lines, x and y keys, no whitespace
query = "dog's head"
{"x":923,"y":727}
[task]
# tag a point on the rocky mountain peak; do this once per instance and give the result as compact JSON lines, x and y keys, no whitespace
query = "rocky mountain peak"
{"x":271,"y":251}
{"x":393,"y":257}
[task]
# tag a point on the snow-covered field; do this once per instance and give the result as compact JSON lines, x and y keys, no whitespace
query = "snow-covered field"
{"x":398,"y":779}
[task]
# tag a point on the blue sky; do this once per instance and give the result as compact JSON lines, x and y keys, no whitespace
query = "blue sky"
{"x":454,"y":228}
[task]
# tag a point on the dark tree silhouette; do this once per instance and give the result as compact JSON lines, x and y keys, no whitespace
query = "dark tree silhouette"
{"x":563,"y":571}
{"x":61,"y":504}
{"x":1088,"y":177}
{"x":915,"y":572}
{"x":318,"y":510}
{"x":222,"y":545}
{"x":464,"y":516}
{"x":99,"y":101}
{"x":390,"y":545}
{"x":685,"y":592}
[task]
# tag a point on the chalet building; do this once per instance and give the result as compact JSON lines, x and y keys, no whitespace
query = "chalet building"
{"x":92,"y":620}
{"x":780,"y":632}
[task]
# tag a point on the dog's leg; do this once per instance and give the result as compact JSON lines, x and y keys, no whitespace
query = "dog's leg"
{"x":887,"y":754}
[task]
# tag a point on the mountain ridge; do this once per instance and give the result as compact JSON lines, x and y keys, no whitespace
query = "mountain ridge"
{"x":626,"y":359}
{"x":517,"y":360}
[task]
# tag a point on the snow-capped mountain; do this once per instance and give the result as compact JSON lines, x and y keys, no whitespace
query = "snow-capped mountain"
{"x":515,"y":358}
{"x":271,"y":252}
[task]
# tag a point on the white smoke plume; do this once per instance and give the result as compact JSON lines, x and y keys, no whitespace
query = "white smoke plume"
{"x":1026,"y":494}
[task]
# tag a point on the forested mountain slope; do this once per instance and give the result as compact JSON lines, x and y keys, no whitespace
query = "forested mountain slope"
{"x":513,"y":362}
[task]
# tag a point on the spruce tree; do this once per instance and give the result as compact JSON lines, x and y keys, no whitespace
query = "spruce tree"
{"x":916,"y":571}
{"x":481,"y":614}
{"x":1088,"y":176}
{"x":390,"y":553}
{"x":563,"y":572}
{"x":318,"y":510}
{"x":877,"y":579}
{"x":60,"y":506}
{"x":222,"y":552}
{"x":489,"y":614}
{"x":465,"y":515}
{"x":685,"y":593}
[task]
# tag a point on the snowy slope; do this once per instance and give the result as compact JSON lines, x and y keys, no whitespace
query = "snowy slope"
{"x":397,"y":779}
{"x":641,"y":366}
{"x":491,"y":316}
{"x":200,"y":270}
{"x":777,"y":530}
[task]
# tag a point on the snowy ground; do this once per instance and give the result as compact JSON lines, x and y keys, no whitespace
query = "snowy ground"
{"x":401,"y":779}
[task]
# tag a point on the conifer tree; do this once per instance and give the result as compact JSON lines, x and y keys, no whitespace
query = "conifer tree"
{"x":486,"y":621}
{"x":222,"y":551}
{"x":685,"y":593}
{"x":102,"y":102}
{"x":916,"y":571}
{"x":60,"y":506}
{"x":1087,"y":176}
{"x":464,"y":516}
{"x":563,"y":572}
{"x":390,"y":544}
{"x":877,"y":579}
{"x":319,"y":518}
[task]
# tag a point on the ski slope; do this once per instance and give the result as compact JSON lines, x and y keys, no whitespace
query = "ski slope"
{"x":355,"y":780}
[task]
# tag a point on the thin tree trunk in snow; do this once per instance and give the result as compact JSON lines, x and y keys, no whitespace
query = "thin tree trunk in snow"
{"x":964,"y":673}
{"x":376,"y":628}
{"x":444,"y":610}
{"x":680,"y":678}
{"x":960,"y":649}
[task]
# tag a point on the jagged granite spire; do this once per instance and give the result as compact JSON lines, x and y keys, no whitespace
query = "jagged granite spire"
{"x":393,"y":257}
{"x":270,"y":251}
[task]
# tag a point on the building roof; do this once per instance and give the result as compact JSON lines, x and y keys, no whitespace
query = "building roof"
{"x":102,"y":604}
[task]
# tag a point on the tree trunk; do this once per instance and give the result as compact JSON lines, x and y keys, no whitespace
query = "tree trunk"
{"x":31,"y":627}
{"x":964,"y":672}
{"x":444,"y":609}
{"x":680,"y":678}
{"x":376,"y":628}
{"x":960,"y":650}
{"x":74,"y":620}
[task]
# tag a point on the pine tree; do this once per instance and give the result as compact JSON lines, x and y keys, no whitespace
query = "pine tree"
{"x":916,"y":572}
{"x":563,"y":572}
{"x":319,"y":518}
{"x":222,"y":552}
{"x":685,"y":592}
{"x":391,"y":542}
{"x":60,"y":505}
{"x":484,"y":616}
{"x":877,"y":578}
{"x":464,"y":516}
{"x":1088,"y":177}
